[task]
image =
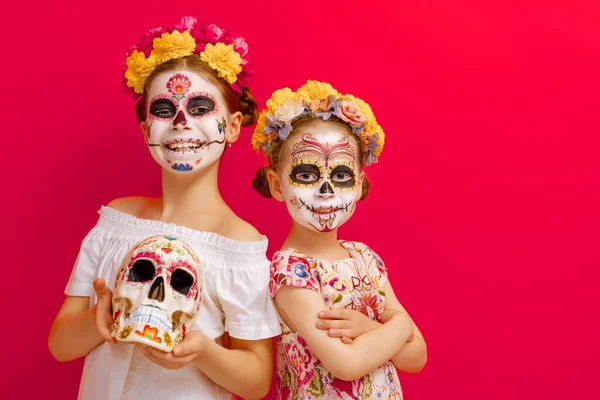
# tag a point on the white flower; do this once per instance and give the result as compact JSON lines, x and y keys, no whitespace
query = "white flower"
{"x":288,"y":111}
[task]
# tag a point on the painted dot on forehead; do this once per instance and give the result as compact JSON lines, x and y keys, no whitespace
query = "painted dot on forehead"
{"x":181,"y":83}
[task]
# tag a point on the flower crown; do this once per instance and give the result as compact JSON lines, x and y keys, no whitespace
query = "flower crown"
{"x":221,"y":51}
{"x":320,"y":100}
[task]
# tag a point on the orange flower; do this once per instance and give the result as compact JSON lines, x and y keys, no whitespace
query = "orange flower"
{"x":149,"y":333}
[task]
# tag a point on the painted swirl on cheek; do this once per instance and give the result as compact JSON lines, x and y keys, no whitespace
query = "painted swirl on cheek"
{"x":221,"y":125}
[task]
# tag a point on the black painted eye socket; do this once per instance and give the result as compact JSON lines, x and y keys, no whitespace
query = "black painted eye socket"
{"x":342,"y":176}
{"x":200,"y":105}
{"x":305,"y":174}
{"x":163,"y":108}
{"x":142,"y":271}
{"x":182,"y":281}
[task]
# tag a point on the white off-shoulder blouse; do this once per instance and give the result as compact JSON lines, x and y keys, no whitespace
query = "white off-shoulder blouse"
{"x":236,"y":300}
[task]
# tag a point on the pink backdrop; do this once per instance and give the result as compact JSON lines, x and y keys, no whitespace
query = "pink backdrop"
{"x":484,"y":205}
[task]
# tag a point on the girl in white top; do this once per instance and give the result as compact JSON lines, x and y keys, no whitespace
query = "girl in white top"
{"x":191,"y":106}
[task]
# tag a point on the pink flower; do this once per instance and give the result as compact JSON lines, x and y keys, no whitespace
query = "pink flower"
{"x":217,"y":31}
{"x":202,"y":34}
{"x":179,"y":84}
{"x":338,"y":285}
{"x":240,"y":46}
{"x":145,"y":44}
{"x":349,"y":112}
{"x":344,"y":387}
{"x":186,"y":24}
{"x":300,"y":360}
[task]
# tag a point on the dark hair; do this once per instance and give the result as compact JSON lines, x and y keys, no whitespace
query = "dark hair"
{"x":260,"y":182}
{"x":243,"y":102}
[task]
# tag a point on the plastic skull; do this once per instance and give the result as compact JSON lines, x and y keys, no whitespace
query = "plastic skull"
{"x":158,"y":291}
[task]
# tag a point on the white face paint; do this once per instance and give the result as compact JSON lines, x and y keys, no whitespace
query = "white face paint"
{"x":186,"y":119}
{"x":320,"y":177}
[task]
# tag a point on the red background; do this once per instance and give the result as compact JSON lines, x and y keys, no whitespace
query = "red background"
{"x":484,"y":205}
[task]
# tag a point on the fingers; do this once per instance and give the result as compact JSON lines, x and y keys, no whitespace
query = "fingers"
{"x":103,"y":323}
{"x":192,"y":344}
{"x":104,"y":318}
{"x":165,"y":360}
{"x":334,"y":324}
{"x":101,"y":289}
{"x":334,"y":314}
{"x":340,"y":333}
{"x":346,"y":340}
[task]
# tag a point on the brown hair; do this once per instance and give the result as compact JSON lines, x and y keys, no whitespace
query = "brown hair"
{"x":242,"y":102}
{"x":260,"y":182}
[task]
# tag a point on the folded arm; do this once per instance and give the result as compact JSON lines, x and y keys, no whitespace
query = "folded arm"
{"x":299,"y":308}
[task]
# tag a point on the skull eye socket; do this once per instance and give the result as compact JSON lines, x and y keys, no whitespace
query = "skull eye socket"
{"x":181,"y":281}
{"x":142,"y":271}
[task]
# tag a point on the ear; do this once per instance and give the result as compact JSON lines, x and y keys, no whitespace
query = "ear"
{"x":275,"y":185}
{"x":144,"y":127}
{"x":235,"y":125}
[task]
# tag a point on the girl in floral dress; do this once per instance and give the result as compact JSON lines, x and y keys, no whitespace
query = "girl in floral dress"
{"x":317,"y":142}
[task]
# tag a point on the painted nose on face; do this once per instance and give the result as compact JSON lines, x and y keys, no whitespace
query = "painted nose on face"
{"x":326,"y":190}
{"x":157,"y":290}
{"x":180,"y":119}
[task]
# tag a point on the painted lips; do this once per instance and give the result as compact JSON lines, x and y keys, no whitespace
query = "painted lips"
{"x":184,"y":145}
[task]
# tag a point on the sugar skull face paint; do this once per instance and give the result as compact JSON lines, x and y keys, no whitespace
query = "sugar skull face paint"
{"x":321,"y":187}
{"x":186,"y":121}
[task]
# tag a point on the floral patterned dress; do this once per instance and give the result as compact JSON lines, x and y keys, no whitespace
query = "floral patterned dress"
{"x":355,"y":283}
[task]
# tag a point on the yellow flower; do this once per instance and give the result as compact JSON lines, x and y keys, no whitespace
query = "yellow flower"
{"x":371,"y":126}
{"x":172,"y":46}
{"x":223,"y":59}
{"x":259,"y":137}
{"x":313,"y":90}
{"x":138,"y":69}
{"x":125,"y":332}
{"x":279,"y":97}
{"x":167,"y":339}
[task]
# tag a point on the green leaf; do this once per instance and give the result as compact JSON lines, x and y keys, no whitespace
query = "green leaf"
{"x":316,"y":385}
{"x":338,"y":298}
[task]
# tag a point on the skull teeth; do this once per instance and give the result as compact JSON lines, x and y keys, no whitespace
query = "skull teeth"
{"x":152,"y":316}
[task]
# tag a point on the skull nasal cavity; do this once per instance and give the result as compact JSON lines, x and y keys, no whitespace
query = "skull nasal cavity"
{"x":180,"y":118}
{"x":326,"y":188}
{"x":157,"y":290}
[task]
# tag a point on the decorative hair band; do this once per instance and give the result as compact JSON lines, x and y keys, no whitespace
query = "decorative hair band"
{"x":221,"y":51}
{"x":320,"y":100}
